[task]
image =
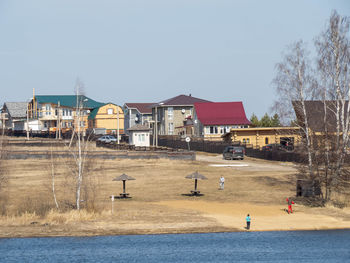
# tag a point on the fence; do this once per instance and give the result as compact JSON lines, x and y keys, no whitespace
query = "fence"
{"x":110,"y":155}
{"x":218,"y":147}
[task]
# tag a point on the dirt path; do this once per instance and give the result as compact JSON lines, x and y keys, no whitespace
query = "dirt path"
{"x":266,"y":218}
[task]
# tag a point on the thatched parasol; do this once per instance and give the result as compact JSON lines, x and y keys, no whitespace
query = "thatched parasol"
{"x":196,"y":176}
{"x":124,"y":178}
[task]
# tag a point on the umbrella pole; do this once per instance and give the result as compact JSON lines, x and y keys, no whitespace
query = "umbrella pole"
{"x":195,"y":184}
{"x":123,"y":186}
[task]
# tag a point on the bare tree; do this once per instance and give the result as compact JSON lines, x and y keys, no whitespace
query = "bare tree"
{"x":294,"y":84}
{"x":3,"y":178}
{"x":329,"y":84}
{"x":333,"y":63}
{"x":53,"y":177}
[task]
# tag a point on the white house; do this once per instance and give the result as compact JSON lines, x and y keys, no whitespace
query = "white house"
{"x":139,"y":135}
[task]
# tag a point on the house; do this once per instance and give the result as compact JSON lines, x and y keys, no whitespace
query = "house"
{"x":139,"y":135}
{"x":14,"y":116}
{"x":261,"y":136}
{"x":66,"y":110}
{"x":137,"y":113}
{"x":109,"y":117}
{"x":212,"y":119}
{"x":170,"y":115}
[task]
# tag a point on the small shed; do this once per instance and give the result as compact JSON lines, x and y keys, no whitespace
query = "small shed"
{"x":308,"y":188}
{"x":139,"y":135}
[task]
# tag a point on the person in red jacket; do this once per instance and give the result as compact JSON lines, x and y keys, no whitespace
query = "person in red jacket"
{"x":290,"y":203}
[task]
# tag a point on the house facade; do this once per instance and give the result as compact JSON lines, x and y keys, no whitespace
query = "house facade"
{"x":61,"y":111}
{"x":137,"y":113}
{"x":139,"y":135}
{"x":109,"y":117}
{"x":14,"y":116}
{"x":213,"y":119}
{"x":259,"y":137}
{"x":171,"y":115}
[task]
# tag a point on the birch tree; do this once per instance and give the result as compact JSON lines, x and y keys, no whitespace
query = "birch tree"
{"x":294,"y":83}
{"x":333,"y":67}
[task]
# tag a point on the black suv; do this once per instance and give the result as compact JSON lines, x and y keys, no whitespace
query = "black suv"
{"x":233,"y":152}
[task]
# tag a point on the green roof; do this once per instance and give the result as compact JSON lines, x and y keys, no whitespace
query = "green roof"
{"x":69,"y":100}
{"x":93,"y":113}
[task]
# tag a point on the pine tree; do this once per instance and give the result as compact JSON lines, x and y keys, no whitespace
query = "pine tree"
{"x":275,"y":121}
{"x":254,"y":120}
{"x":265,"y":121}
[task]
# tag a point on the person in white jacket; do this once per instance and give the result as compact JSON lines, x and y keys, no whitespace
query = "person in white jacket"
{"x":222,"y":183}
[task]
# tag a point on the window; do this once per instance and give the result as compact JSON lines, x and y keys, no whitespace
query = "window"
{"x":171,"y":128}
{"x":248,"y":141}
{"x":213,"y":130}
{"x":266,"y":140}
{"x":207,"y":130}
{"x":244,"y":141}
{"x":170,"y":113}
{"x":109,"y":111}
{"x":48,"y":109}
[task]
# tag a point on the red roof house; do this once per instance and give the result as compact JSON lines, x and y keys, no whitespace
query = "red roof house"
{"x":212,"y":117}
{"x":221,"y":113}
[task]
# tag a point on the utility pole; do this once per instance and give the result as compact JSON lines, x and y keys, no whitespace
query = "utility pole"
{"x":156,"y":129}
{"x":59,"y":120}
{"x":118,"y":124}
{"x":27,"y":128}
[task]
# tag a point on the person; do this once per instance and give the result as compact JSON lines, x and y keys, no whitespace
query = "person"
{"x":248,"y":219}
{"x":222,"y":182}
{"x":290,"y":202}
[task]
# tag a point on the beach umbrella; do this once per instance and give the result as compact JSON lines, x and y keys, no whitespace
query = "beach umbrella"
{"x":196,"y":176}
{"x":123,"y":178}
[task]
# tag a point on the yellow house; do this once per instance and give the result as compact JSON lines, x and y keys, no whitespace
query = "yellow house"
{"x":108,"y":116}
{"x":259,"y":137}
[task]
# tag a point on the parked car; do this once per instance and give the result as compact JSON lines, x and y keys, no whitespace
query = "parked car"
{"x":107,"y":139}
{"x":233,"y":152}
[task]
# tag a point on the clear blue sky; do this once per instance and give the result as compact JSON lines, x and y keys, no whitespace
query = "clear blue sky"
{"x":148,"y":51}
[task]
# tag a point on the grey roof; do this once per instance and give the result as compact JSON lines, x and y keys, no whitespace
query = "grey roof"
{"x":181,"y":100}
{"x":16,"y":109}
{"x":139,"y":127}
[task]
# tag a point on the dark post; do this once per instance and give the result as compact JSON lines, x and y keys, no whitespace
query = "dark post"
{"x":195,"y":184}
{"x":124,"y":186}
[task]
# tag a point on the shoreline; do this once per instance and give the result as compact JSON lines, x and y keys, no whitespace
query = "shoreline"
{"x":166,"y":232}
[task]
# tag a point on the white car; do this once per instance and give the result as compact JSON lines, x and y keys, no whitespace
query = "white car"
{"x":107,"y":139}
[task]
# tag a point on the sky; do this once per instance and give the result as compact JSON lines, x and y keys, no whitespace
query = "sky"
{"x":149,"y":51}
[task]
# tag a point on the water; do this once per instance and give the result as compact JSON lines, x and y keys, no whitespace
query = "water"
{"x":293,"y":246}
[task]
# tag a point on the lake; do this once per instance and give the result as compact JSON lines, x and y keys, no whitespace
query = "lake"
{"x":288,"y":246}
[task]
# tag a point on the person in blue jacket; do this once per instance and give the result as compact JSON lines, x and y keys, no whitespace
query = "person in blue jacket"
{"x":248,"y":219}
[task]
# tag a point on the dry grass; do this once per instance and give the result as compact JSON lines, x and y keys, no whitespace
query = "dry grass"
{"x":158,"y":183}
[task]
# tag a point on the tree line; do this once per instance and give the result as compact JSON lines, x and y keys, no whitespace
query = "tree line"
{"x":315,"y":92}
{"x":265,"y":121}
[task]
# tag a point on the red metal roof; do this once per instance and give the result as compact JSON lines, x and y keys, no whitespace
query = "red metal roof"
{"x":221,"y":113}
{"x":141,"y":107}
